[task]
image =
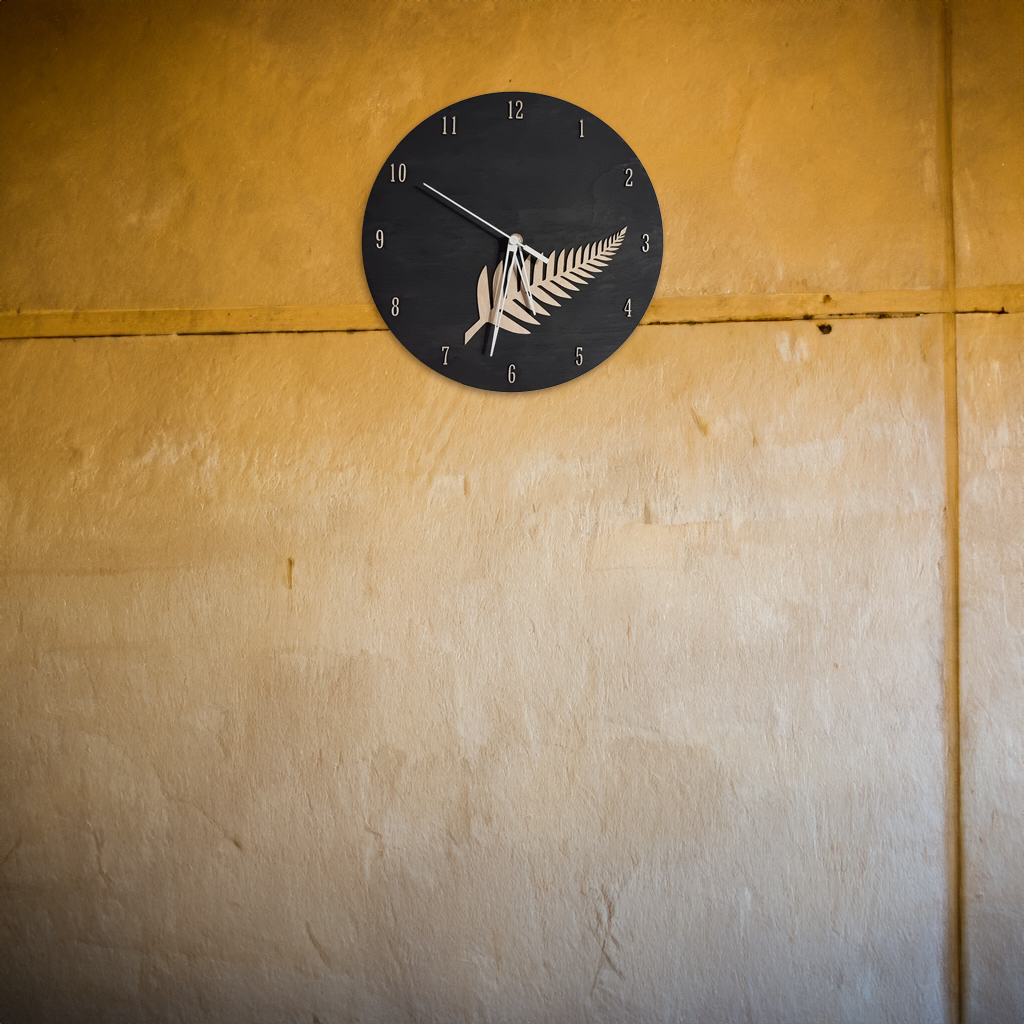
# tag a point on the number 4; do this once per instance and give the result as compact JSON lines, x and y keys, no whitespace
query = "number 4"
{"x":628,"y":307}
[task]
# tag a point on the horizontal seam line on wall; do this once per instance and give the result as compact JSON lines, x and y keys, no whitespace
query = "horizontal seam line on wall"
{"x":668,"y":311}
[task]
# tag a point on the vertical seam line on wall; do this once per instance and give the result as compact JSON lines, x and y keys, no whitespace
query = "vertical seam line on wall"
{"x":957,"y":950}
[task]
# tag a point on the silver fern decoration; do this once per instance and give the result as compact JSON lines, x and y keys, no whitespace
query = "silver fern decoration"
{"x":557,"y":279}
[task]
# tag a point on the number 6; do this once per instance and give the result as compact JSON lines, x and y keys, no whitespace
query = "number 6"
{"x":511,"y":373}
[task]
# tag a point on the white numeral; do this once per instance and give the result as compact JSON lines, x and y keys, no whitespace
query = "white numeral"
{"x":646,"y":247}
{"x":629,"y":177}
{"x":518,"y":115}
{"x":579,"y":356}
{"x":581,"y":127}
{"x":380,"y":239}
{"x":627,"y":308}
{"x":394,"y":306}
{"x":401,"y":172}
{"x":511,"y":373}
{"x":444,"y":349}
{"x":444,"y":127}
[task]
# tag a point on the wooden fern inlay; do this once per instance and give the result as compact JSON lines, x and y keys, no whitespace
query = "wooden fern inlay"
{"x":549,"y":282}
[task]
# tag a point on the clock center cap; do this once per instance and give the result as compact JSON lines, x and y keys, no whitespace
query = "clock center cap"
{"x":516,"y":239}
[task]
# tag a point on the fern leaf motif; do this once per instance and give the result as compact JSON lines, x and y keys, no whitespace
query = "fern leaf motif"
{"x":549,"y":282}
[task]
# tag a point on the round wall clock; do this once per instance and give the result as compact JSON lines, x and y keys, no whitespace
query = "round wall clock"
{"x":512,"y":241}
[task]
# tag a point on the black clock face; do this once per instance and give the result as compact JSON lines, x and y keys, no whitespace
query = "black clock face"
{"x":512,"y":241}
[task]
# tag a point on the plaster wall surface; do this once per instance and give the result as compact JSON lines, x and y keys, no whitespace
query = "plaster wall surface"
{"x":621,"y":712}
{"x":226,"y":146}
{"x":992,"y":579}
{"x":334,"y":691}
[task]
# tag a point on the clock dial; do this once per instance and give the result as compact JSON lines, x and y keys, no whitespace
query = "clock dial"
{"x":512,"y":241}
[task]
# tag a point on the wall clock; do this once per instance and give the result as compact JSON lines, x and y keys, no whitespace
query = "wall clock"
{"x":512,"y":241}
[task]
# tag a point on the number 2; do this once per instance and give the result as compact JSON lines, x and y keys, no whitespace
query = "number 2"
{"x":629,"y":178}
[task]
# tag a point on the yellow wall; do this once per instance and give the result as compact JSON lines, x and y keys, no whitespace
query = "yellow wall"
{"x":335,"y":691}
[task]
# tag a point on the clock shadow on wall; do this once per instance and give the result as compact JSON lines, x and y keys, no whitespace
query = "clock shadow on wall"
{"x":438,"y":259}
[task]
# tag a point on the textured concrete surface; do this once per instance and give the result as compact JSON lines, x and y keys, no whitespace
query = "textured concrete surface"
{"x":988,"y":140}
{"x":991,"y":363}
{"x":618,"y":700}
{"x":229,"y":148}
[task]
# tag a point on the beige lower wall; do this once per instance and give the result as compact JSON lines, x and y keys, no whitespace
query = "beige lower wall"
{"x":991,"y":361}
{"x":618,"y":701}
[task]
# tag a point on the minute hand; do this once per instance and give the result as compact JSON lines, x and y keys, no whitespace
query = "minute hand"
{"x":483,"y":223}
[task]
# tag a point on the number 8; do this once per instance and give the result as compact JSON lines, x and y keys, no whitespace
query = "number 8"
{"x":394,"y":306}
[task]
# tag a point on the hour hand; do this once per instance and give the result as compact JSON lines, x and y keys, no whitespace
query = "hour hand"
{"x":479,"y":220}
